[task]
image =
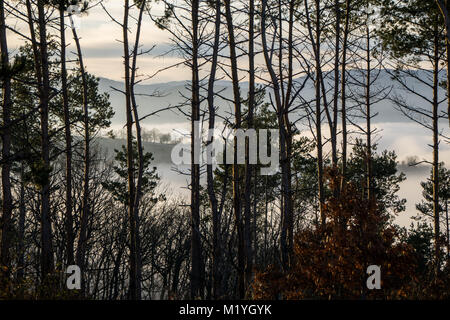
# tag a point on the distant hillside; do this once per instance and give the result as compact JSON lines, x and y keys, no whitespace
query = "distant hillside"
{"x":152,"y":97}
{"x":161,"y":152}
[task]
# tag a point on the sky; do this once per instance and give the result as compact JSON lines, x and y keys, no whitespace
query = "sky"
{"x":102,"y":50}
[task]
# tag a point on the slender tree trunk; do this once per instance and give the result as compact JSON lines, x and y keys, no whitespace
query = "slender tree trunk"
{"x":285,"y":165}
{"x":117,"y":262}
{"x":38,"y":72}
{"x":140,"y":153}
{"x":318,"y":120}
{"x":287,"y":237}
{"x":343,"y":92}
{"x":82,"y":239}
{"x":334,"y":156}
{"x":70,"y":237}
{"x":255,"y":220}
{"x":196,"y":254}
{"x":443,"y":7}
{"x":289,"y":137}
{"x":284,"y":133}
{"x":217,"y":252}
{"x":130,"y":162}
{"x":266,"y":212}
{"x":46,"y":230}
{"x":34,"y":45}
{"x":248,"y":166}
{"x":448,"y":229}
{"x":447,"y":46}
{"x":21,"y":228}
{"x":368,"y":120}
{"x":6,"y":151}
{"x":436,"y":155}
{"x":237,"y":114}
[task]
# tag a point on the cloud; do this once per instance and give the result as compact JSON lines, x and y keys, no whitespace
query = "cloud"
{"x":411,"y":139}
{"x":111,"y":50}
{"x":112,"y":68}
{"x":100,"y":42}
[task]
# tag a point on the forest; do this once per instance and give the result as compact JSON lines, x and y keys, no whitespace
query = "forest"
{"x":313,"y":73}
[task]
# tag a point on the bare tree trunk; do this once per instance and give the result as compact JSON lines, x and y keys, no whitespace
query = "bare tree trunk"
{"x":343,"y":87}
{"x":46,"y":231}
{"x":196,"y":254}
{"x":318,"y":120}
{"x":216,"y":219}
{"x":248,"y":166}
{"x":447,"y":46}
{"x":289,"y":136}
{"x":334,"y":156}
{"x":266,"y":211}
{"x":443,"y":7}
{"x":237,"y":113}
{"x":140,"y":153}
{"x":21,"y":228}
{"x":39,"y":78}
{"x":281,"y":112}
{"x":70,"y":237}
{"x":368,"y":119}
{"x":82,"y":239}
{"x":436,"y":154}
{"x":281,"y":104}
{"x":448,"y":229}
{"x":117,"y":262}
{"x":34,"y":45}
{"x":6,"y":150}
{"x":130,"y":164}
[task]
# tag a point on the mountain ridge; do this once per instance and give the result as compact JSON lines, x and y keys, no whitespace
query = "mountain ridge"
{"x":155,"y":96}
